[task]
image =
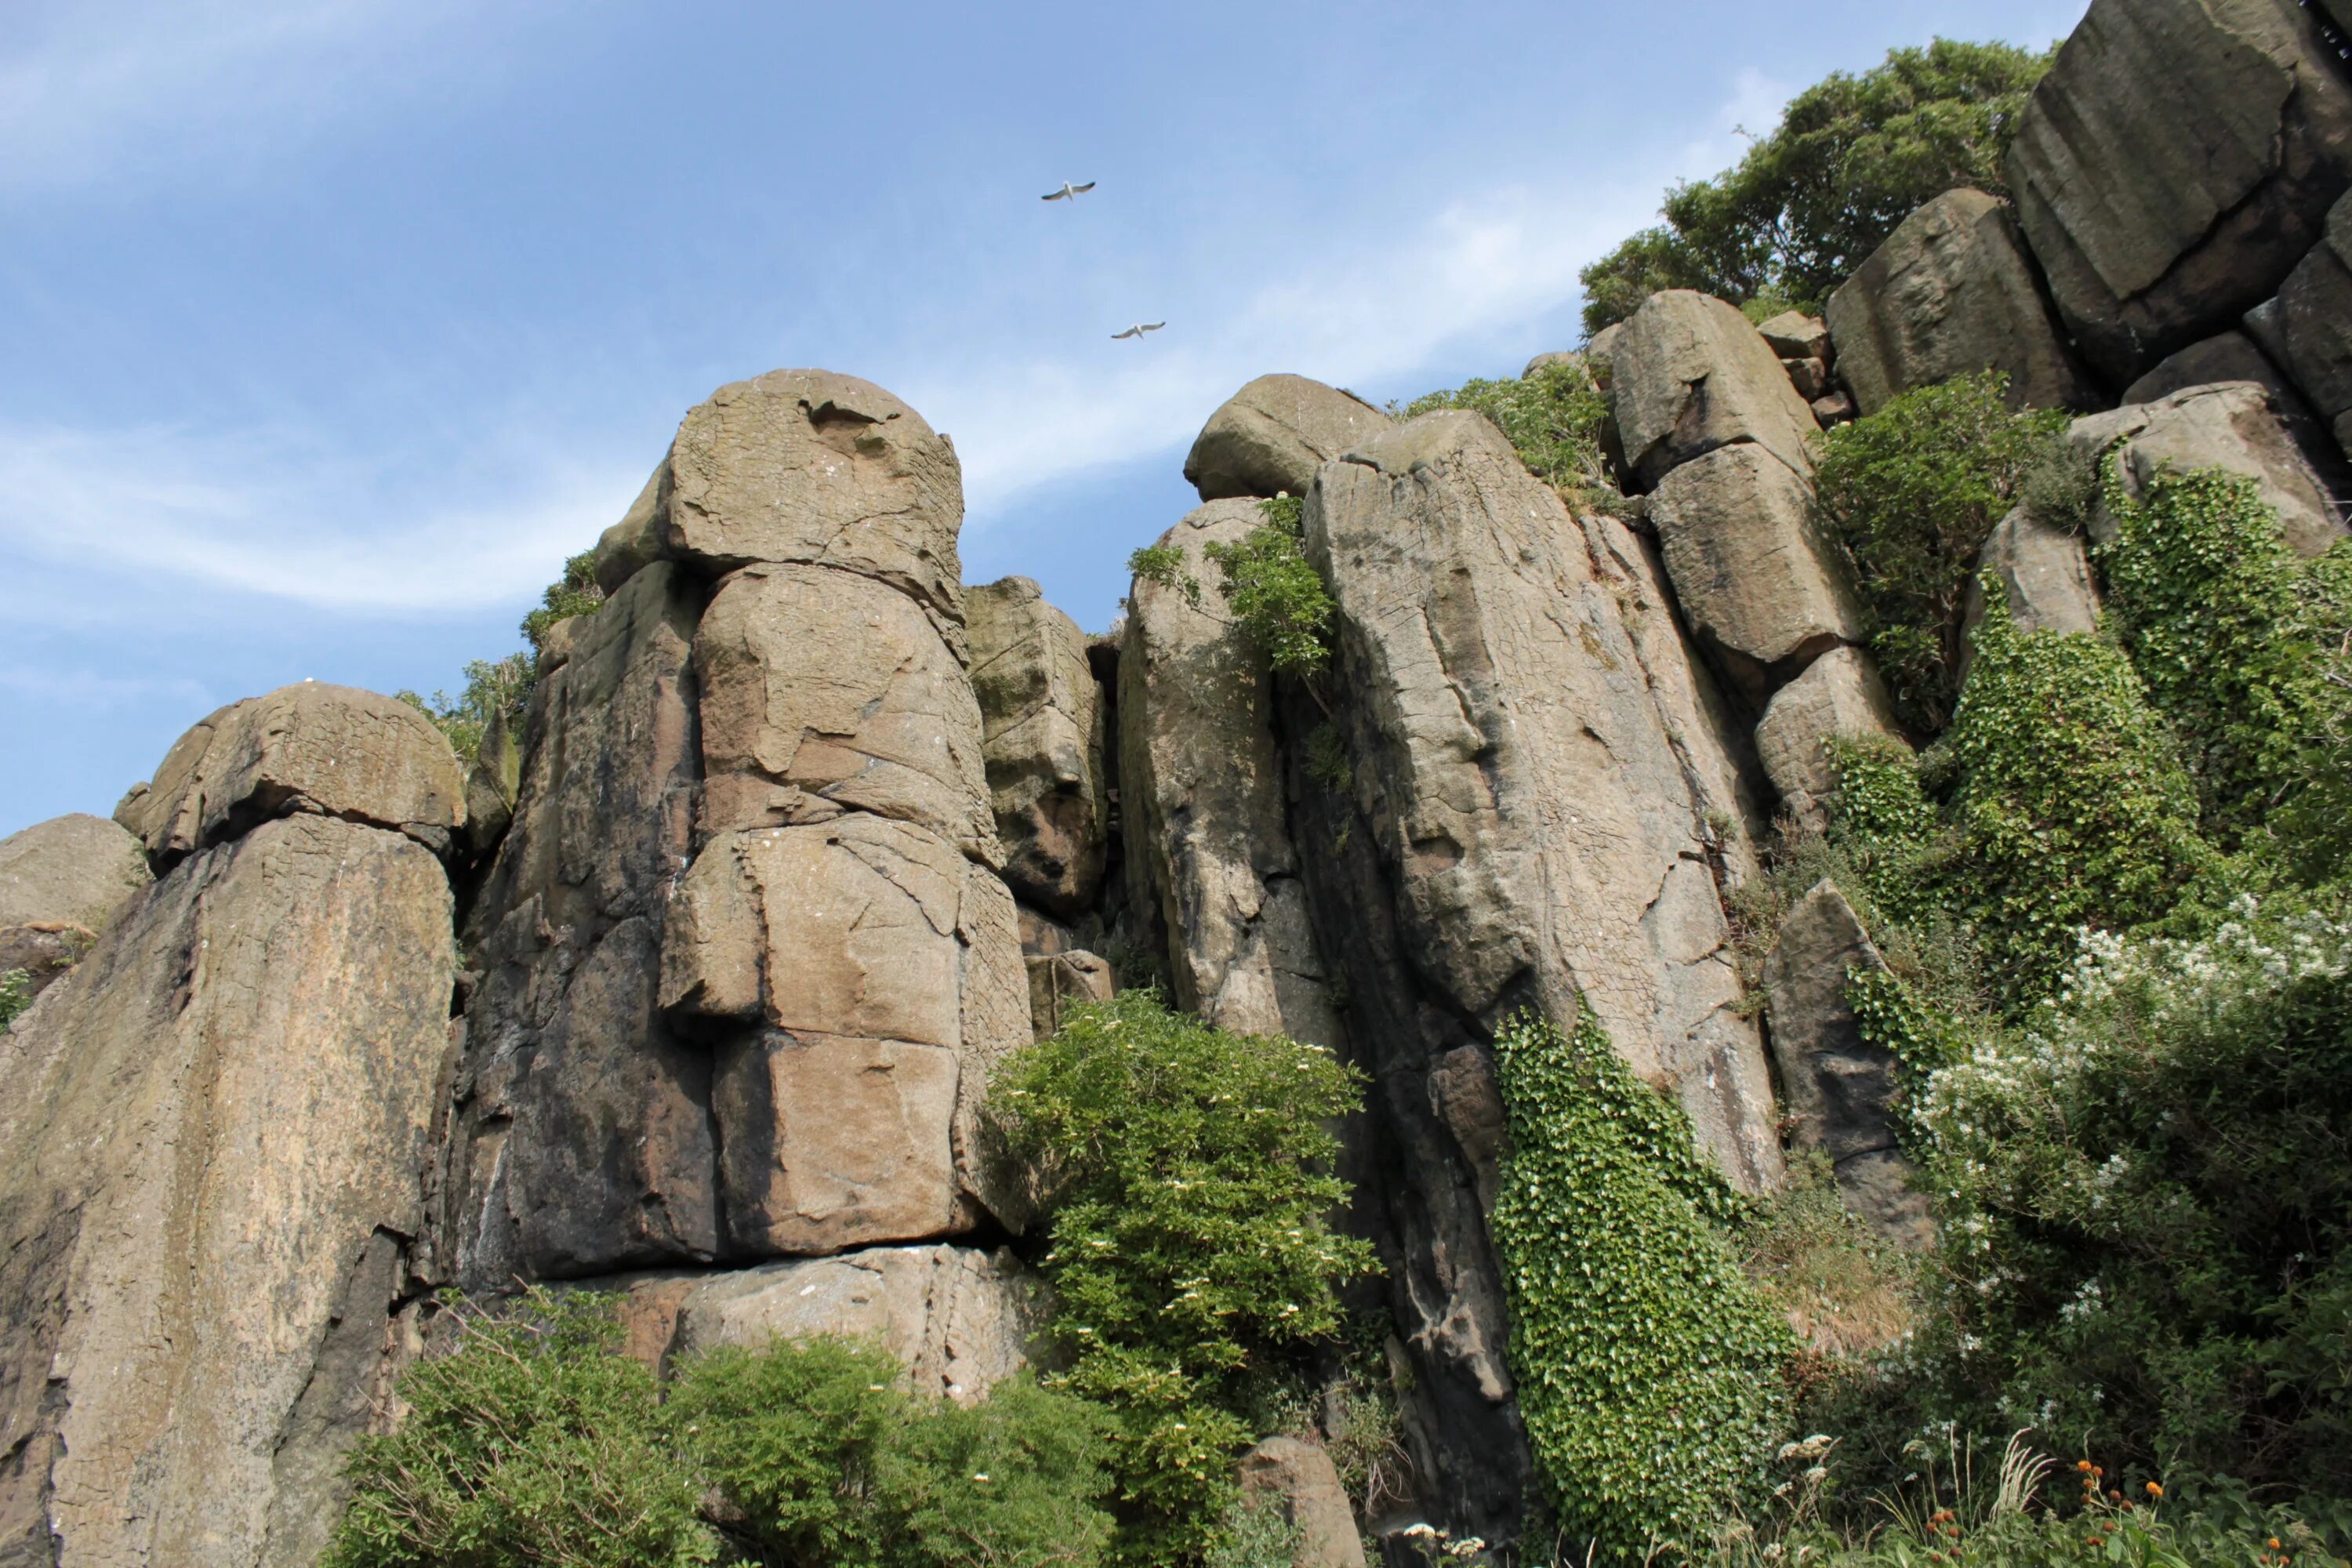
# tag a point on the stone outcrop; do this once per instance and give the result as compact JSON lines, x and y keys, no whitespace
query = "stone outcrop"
{"x":1042,"y":735}
{"x":1269,"y":437}
{"x":1305,"y":1484}
{"x":1209,"y":845}
{"x":1688,"y":374}
{"x":1060,"y":981}
{"x":2312,"y":324}
{"x":2231,"y":427}
{"x":2045,"y":574}
{"x":2235,"y":356}
{"x":61,"y":883}
{"x":2176,"y":161}
{"x":1792,"y":334}
{"x":1839,"y":696}
{"x":329,"y":750}
{"x":1839,"y":1092}
{"x":1952,"y":291}
{"x":216,"y":1127}
{"x":1759,"y":587}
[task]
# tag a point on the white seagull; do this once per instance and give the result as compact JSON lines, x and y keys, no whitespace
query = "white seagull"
{"x":1068,"y":192}
{"x":1138,"y":329}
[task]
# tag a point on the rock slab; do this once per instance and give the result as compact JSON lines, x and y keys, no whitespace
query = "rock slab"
{"x":1041,"y":729}
{"x":1839,"y":696}
{"x":2232,"y":425}
{"x":61,"y":883}
{"x":1688,"y":374}
{"x":1305,"y":1484}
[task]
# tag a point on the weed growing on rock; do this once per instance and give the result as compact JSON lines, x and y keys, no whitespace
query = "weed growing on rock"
{"x":15,"y":996}
{"x":1553,"y":417}
{"x":1187,"y":1174}
{"x":1276,"y":595}
{"x":493,"y":690}
{"x":1649,"y":1367}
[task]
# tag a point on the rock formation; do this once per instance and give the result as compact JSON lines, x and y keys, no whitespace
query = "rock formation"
{"x":2231,"y":426}
{"x":61,"y":882}
{"x":1269,"y":437}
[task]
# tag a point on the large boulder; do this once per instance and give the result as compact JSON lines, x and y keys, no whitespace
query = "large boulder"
{"x":61,"y":883}
{"x":2232,"y":425}
{"x":809,"y":465}
{"x":1841,"y":1091}
{"x":1042,"y":727}
{"x":1839,"y":697}
{"x":1688,"y":374}
{"x":860,"y":979}
{"x":1208,"y":842}
{"x":2045,"y":574}
{"x":331,"y":749}
{"x":1303,"y":1484}
{"x":959,"y":1321}
{"x":1060,"y":981}
{"x":824,"y":691}
{"x":2177,"y":160}
{"x":2235,"y":356}
{"x":640,"y":538}
{"x":581,"y":1138}
{"x":1760,"y":586}
{"x":215,"y":1131}
{"x":1952,"y":291}
{"x":1269,"y":437}
{"x":2312,"y":325}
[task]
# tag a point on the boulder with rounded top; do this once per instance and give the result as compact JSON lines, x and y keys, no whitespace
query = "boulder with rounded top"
{"x":1839,"y":696}
{"x":2230,"y":426}
{"x":1687,"y":374}
{"x":2043,"y":572}
{"x":61,"y":884}
{"x":1269,"y":437}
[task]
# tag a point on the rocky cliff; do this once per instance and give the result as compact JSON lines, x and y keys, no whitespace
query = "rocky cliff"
{"x":693,"y":990}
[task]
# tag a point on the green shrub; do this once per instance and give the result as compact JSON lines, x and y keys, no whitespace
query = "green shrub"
{"x":1553,"y":419}
{"x":1910,"y":495}
{"x":2146,"y":1194}
{"x":573,"y":593}
{"x":2227,"y":626}
{"x":15,"y":996}
{"x":1649,"y":1369}
{"x":493,"y":691}
{"x":1188,"y":1240}
{"x":2073,"y":807}
{"x":1281,"y":605}
{"x":535,"y":1442}
{"x":1853,"y":156}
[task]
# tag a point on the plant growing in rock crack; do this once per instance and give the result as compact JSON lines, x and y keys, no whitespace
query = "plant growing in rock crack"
{"x":1553,"y":417}
{"x":1187,"y":1173}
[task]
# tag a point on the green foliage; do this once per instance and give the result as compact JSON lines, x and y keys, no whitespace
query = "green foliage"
{"x":2146,"y":1195}
{"x":1164,"y":564}
{"x":15,"y":996}
{"x":2227,"y":626}
{"x":538,"y":1442}
{"x":573,"y":593}
{"x":1648,"y":1367}
{"x":1852,"y":158}
{"x":2072,"y":808}
{"x":1188,"y":1243}
{"x":535,"y":1442}
{"x":493,"y":690}
{"x":1328,"y":760}
{"x":1280,"y":604}
{"x":1553,"y":417}
{"x":1255,"y":1532}
{"x":1909,"y":495}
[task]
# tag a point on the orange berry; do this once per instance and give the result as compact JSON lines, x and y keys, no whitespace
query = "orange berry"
{"x":2081,"y":1464}
{"x":2154,"y":1490}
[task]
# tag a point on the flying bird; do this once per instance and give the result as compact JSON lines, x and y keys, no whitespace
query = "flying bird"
{"x":1138,"y":329}
{"x":1068,"y":192}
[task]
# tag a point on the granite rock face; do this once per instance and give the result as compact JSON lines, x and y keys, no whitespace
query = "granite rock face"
{"x":2313,"y":325}
{"x":1687,"y":374}
{"x":61,"y":883}
{"x":217,"y":1127}
{"x":332,"y":751}
{"x":1839,"y":696}
{"x":2044,"y":571}
{"x":2232,"y":425}
{"x":1042,"y":724}
{"x":1840,"y":1090}
{"x":1952,"y":291}
{"x":2176,"y":161}
{"x":1269,"y":437}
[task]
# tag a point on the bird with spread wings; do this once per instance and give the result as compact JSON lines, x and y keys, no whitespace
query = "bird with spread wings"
{"x":1068,"y":192}
{"x":1138,"y":329}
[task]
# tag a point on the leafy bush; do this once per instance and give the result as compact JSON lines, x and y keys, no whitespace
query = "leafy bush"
{"x":1188,"y":1241}
{"x":573,"y":593}
{"x":1277,"y":601}
{"x":537,"y":1441}
{"x":494,"y":691}
{"x":1853,"y":156}
{"x":1553,"y":417}
{"x":1648,"y":1366}
{"x":15,"y":996}
{"x":1910,"y":495}
{"x":2146,"y":1196}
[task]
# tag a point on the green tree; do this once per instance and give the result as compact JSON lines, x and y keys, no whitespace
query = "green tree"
{"x":1853,"y":155}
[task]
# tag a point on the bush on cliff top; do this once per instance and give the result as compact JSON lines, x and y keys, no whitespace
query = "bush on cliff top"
{"x":1811,"y":200}
{"x":503,"y":686}
{"x":1553,"y":419}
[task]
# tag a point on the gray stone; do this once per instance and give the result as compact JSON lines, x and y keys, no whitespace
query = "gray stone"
{"x":812,"y":466}
{"x":1951,"y":292}
{"x":1270,"y":436}
{"x":2311,"y":325}
{"x":824,"y":691}
{"x":2174,"y":165}
{"x":1840,"y":1091}
{"x":213,"y":1135}
{"x":491,"y":784}
{"x":1688,"y":374}
{"x":1837,"y":408}
{"x":1792,"y":334}
{"x":1759,"y":587}
{"x":1042,"y":725}
{"x":61,"y":883}
{"x":1305,"y":1484}
{"x":2046,"y":574}
{"x":1810,"y":377}
{"x":1546,"y":360}
{"x":1057,"y":981}
{"x":333,"y":751}
{"x":2230,"y":426}
{"x":639,"y":539}
{"x":2235,"y":356}
{"x":1208,"y":845}
{"x":1839,"y":696}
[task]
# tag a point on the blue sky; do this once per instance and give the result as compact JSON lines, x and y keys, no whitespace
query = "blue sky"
{"x":333,"y":327}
